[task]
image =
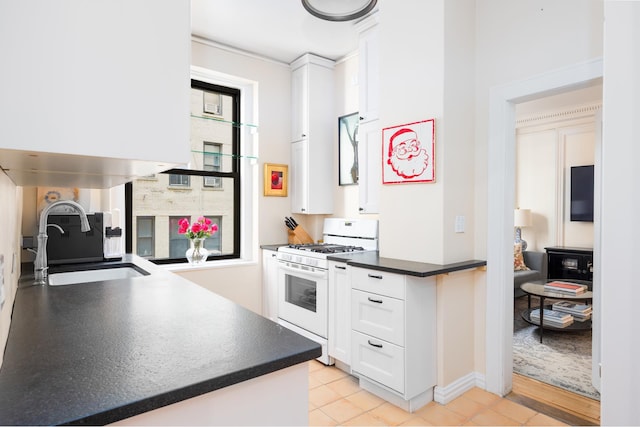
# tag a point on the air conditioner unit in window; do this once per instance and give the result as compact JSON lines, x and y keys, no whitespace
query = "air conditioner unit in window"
{"x":213,"y":109}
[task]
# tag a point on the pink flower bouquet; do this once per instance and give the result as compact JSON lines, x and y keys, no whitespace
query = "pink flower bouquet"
{"x":203,"y":227}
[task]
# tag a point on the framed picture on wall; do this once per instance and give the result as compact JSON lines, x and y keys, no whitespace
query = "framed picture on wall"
{"x":276,"y":180}
{"x":348,"y":149}
{"x":408,"y":153}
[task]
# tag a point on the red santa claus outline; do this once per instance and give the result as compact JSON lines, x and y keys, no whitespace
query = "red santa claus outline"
{"x":406,"y":156}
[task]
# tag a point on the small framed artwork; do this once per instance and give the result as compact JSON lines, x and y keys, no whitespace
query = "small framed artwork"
{"x":408,"y":153}
{"x":276,"y":180}
{"x":348,"y":149}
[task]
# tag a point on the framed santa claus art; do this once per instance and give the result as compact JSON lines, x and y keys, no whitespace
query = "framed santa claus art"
{"x":408,"y":153}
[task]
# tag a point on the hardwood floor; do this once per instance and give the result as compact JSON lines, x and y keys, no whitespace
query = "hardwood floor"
{"x":558,"y":403}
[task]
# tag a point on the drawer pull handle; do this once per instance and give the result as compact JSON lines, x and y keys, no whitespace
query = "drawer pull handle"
{"x":373,"y":276}
{"x":374,"y":345}
{"x":378,"y":301}
{"x":339,"y":267}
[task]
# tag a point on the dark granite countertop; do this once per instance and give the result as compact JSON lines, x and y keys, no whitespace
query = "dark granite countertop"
{"x":372,"y":260}
{"x":99,"y":352}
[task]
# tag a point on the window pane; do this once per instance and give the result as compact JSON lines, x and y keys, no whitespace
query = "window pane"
{"x":144,"y":236}
{"x":150,"y":199}
{"x":211,"y":130}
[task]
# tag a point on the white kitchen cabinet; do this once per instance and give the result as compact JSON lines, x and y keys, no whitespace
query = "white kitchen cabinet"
{"x":97,"y":93}
{"x":270,"y":284}
{"x":369,"y":167}
{"x":368,"y":69}
{"x":313,"y":128}
{"x":339,"y":312}
{"x":393,"y":337}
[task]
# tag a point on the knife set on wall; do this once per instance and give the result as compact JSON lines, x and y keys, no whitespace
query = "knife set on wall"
{"x":297,"y":234}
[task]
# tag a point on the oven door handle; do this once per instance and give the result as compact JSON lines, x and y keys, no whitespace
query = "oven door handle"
{"x":299,"y":271}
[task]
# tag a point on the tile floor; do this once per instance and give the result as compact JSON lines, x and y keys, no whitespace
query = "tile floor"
{"x":336,"y":399}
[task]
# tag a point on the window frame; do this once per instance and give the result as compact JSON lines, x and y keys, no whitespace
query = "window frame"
{"x":235,"y":175}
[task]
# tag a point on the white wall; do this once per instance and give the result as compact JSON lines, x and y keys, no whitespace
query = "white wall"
{"x":620,"y":203}
{"x":11,"y":220}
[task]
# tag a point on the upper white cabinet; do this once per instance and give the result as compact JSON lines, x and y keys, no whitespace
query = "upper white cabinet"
{"x":369,"y":69}
{"x":369,"y":143}
{"x":313,"y":128}
{"x":97,"y":92}
{"x":369,"y":167}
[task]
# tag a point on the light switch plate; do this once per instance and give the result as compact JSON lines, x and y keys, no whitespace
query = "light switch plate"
{"x":459,"y":225}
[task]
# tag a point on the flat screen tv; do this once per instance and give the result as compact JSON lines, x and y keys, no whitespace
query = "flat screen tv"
{"x":582,"y":193}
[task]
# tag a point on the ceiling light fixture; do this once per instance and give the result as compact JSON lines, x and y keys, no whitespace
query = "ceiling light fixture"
{"x":339,"y":10}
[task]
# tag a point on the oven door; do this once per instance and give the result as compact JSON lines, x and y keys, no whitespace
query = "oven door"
{"x":302,"y":296}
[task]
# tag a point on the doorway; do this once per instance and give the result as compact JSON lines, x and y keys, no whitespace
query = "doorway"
{"x":501,"y":199}
{"x":554,"y":135}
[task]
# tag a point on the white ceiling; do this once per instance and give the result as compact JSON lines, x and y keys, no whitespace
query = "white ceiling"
{"x":277,"y":29}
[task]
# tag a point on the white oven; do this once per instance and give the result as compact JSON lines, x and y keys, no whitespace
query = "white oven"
{"x":303,"y":277}
{"x":303,"y":296}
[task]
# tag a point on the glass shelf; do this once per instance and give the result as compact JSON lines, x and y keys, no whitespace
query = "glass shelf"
{"x":217,"y":119}
{"x":233,"y":156}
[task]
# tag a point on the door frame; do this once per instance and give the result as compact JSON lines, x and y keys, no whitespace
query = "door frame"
{"x":501,"y":202}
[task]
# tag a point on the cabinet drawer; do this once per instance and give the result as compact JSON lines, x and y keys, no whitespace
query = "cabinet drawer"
{"x":379,"y":282}
{"x":378,"y":360}
{"x":379,"y":316}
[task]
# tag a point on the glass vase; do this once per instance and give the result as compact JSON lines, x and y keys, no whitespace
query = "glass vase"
{"x":197,"y":254}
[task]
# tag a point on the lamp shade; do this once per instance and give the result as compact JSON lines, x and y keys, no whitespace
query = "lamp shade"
{"x":522,"y":218}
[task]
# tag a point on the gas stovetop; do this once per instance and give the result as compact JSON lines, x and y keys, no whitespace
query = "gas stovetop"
{"x":326,"y":248}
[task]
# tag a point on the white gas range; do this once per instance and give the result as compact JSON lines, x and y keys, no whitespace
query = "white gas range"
{"x":303,"y":276}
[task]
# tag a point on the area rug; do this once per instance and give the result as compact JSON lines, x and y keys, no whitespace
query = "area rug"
{"x":563,"y":359}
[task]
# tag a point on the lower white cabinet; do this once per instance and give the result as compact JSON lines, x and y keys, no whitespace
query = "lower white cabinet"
{"x":379,"y":360}
{"x":270,"y":284}
{"x":393,"y":336}
{"x":339,"y":312}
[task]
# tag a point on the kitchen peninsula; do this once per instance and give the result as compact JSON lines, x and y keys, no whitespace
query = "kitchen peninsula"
{"x":122,"y":350}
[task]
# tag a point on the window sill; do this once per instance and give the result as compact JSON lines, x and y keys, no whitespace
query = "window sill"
{"x":209,"y":265}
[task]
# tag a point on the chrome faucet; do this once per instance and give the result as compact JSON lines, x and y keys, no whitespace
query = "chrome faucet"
{"x":40,"y":264}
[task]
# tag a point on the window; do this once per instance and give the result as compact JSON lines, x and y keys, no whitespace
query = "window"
{"x":215,"y":156}
{"x":178,"y":244}
{"x":144,"y":236}
{"x":211,"y":153}
{"x":179,"y":180}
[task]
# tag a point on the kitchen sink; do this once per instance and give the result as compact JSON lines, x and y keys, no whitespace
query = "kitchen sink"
{"x":95,"y":275}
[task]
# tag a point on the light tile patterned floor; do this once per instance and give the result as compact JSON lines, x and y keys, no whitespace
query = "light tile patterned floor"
{"x":336,"y":399}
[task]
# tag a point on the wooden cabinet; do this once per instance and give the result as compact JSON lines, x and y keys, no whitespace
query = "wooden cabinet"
{"x":369,"y":167}
{"x":313,"y":128}
{"x":569,"y":263}
{"x":270,"y":284}
{"x":339,"y":312}
{"x":393,"y":335}
{"x":84,"y":105}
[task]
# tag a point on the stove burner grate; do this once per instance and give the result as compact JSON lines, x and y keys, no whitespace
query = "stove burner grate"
{"x":326,"y":248}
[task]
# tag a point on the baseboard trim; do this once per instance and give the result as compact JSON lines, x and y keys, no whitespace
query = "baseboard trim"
{"x":446,"y":394}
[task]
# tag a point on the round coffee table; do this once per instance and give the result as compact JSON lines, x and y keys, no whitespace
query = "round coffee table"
{"x":538,"y":290}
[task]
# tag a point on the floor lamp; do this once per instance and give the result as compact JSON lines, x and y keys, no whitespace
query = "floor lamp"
{"x":521,"y":218}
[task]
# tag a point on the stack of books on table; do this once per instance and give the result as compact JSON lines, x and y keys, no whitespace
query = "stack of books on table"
{"x":580,"y":312}
{"x":565,"y":287}
{"x":553,"y":318}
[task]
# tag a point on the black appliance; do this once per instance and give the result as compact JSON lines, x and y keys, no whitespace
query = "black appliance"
{"x":74,"y":246}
